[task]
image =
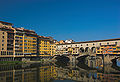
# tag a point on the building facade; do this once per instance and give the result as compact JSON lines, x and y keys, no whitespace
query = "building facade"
{"x":7,"y":42}
{"x":46,"y":47}
{"x":108,"y":49}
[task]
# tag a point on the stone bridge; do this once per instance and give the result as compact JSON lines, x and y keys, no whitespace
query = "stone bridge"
{"x":73,"y":58}
{"x":108,"y":59}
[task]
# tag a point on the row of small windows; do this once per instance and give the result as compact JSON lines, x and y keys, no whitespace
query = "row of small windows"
{"x":93,"y":44}
{"x":6,"y":53}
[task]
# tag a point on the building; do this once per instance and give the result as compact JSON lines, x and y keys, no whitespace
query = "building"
{"x":108,"y":49}
{"x":69,"y":41}
{"x":43,"y":46}
{"x":16,"y":43}
{"x":7,"y":46}
{"x":25,"y":42}
{"x":46,"y":47}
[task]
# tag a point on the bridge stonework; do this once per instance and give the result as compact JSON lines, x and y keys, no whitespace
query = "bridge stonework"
{"x":107,"y":59}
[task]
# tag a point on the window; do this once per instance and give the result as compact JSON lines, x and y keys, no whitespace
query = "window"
{"x":25,"y":47}
{"x":2,"y":44}
{"x":2,"y":48}
{"x":75,"y":45}
{"x":3,"y":37}
{"x":20,"y":47}
{"x":115,"y":43}
{"x":3,"y":32}
{"x":25,"y":40}
{"x":98,"y":51}
{"x":107,"y":43}
{"x":20,"y":40}
{"x":114,"y":48}
{"x":20,"y":37}
{"x":20,"y":44}
{"x":100,"y":44}
{"x":2,"y":40}
{"x":25,"y":37}
{"x":26,"y":44}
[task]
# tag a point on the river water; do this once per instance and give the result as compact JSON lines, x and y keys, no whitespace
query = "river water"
{"x":55,"y":72}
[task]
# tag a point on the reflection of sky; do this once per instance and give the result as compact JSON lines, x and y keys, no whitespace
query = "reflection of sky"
{"x":118,"y":63}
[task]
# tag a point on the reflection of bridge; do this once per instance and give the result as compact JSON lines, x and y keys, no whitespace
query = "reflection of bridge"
{"x":79,"y":74}
{"x":107,"y":59}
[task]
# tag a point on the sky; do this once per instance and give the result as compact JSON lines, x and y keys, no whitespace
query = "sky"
{"x":80,"y":20}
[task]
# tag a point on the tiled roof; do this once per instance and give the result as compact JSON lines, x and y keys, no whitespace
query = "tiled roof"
{"x":6,"y":23}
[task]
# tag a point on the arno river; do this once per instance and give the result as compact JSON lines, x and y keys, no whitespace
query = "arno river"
{"x":60,"y":72}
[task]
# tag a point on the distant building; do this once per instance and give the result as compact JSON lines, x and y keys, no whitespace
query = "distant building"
{"x":69,"y":41}
{"x":61,"y":42}
{"x":46,"y":46}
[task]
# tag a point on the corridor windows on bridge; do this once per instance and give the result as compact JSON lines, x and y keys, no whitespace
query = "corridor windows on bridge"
{"x":3,"y":37}
{"x":100,"y":44}
{"x":81,"y":44}
{"x":93,"y":44}
{"x":98,"y":48}
{"x":81,"y":49}
{"x":66,"y":46}
{"x":2,"y":48}
{"x":107,"y":43}
{"x":115,"y":43}
{"x":76,"y":45}
{"x":98,"y":51}
{"x":71,"y":45}
{"x":86,"y":44}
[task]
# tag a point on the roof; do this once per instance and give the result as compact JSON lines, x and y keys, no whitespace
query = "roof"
{"x":91,"y":41}
{"x":6,"y":23}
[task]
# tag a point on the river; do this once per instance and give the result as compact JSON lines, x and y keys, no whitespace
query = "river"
{"x":52,"y":72}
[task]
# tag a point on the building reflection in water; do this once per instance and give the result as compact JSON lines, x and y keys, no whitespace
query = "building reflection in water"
{"x":51,"y":73}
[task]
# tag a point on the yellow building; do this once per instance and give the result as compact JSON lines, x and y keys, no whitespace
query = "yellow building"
{"x":108,"y":49}
{"x":53,"y":49}
{"x":7,"y":42}
{"x":26,"y":42}
{"x":44,"y":46}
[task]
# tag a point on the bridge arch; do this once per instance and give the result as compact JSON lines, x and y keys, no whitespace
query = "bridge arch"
{"x":87,"y":49}
{"x":93,"y":49}
{"x":82,"y":50}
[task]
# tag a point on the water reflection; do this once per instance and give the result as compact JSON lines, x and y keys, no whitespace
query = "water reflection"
{"x":118,"y":63}
{"x":54,"y":73}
